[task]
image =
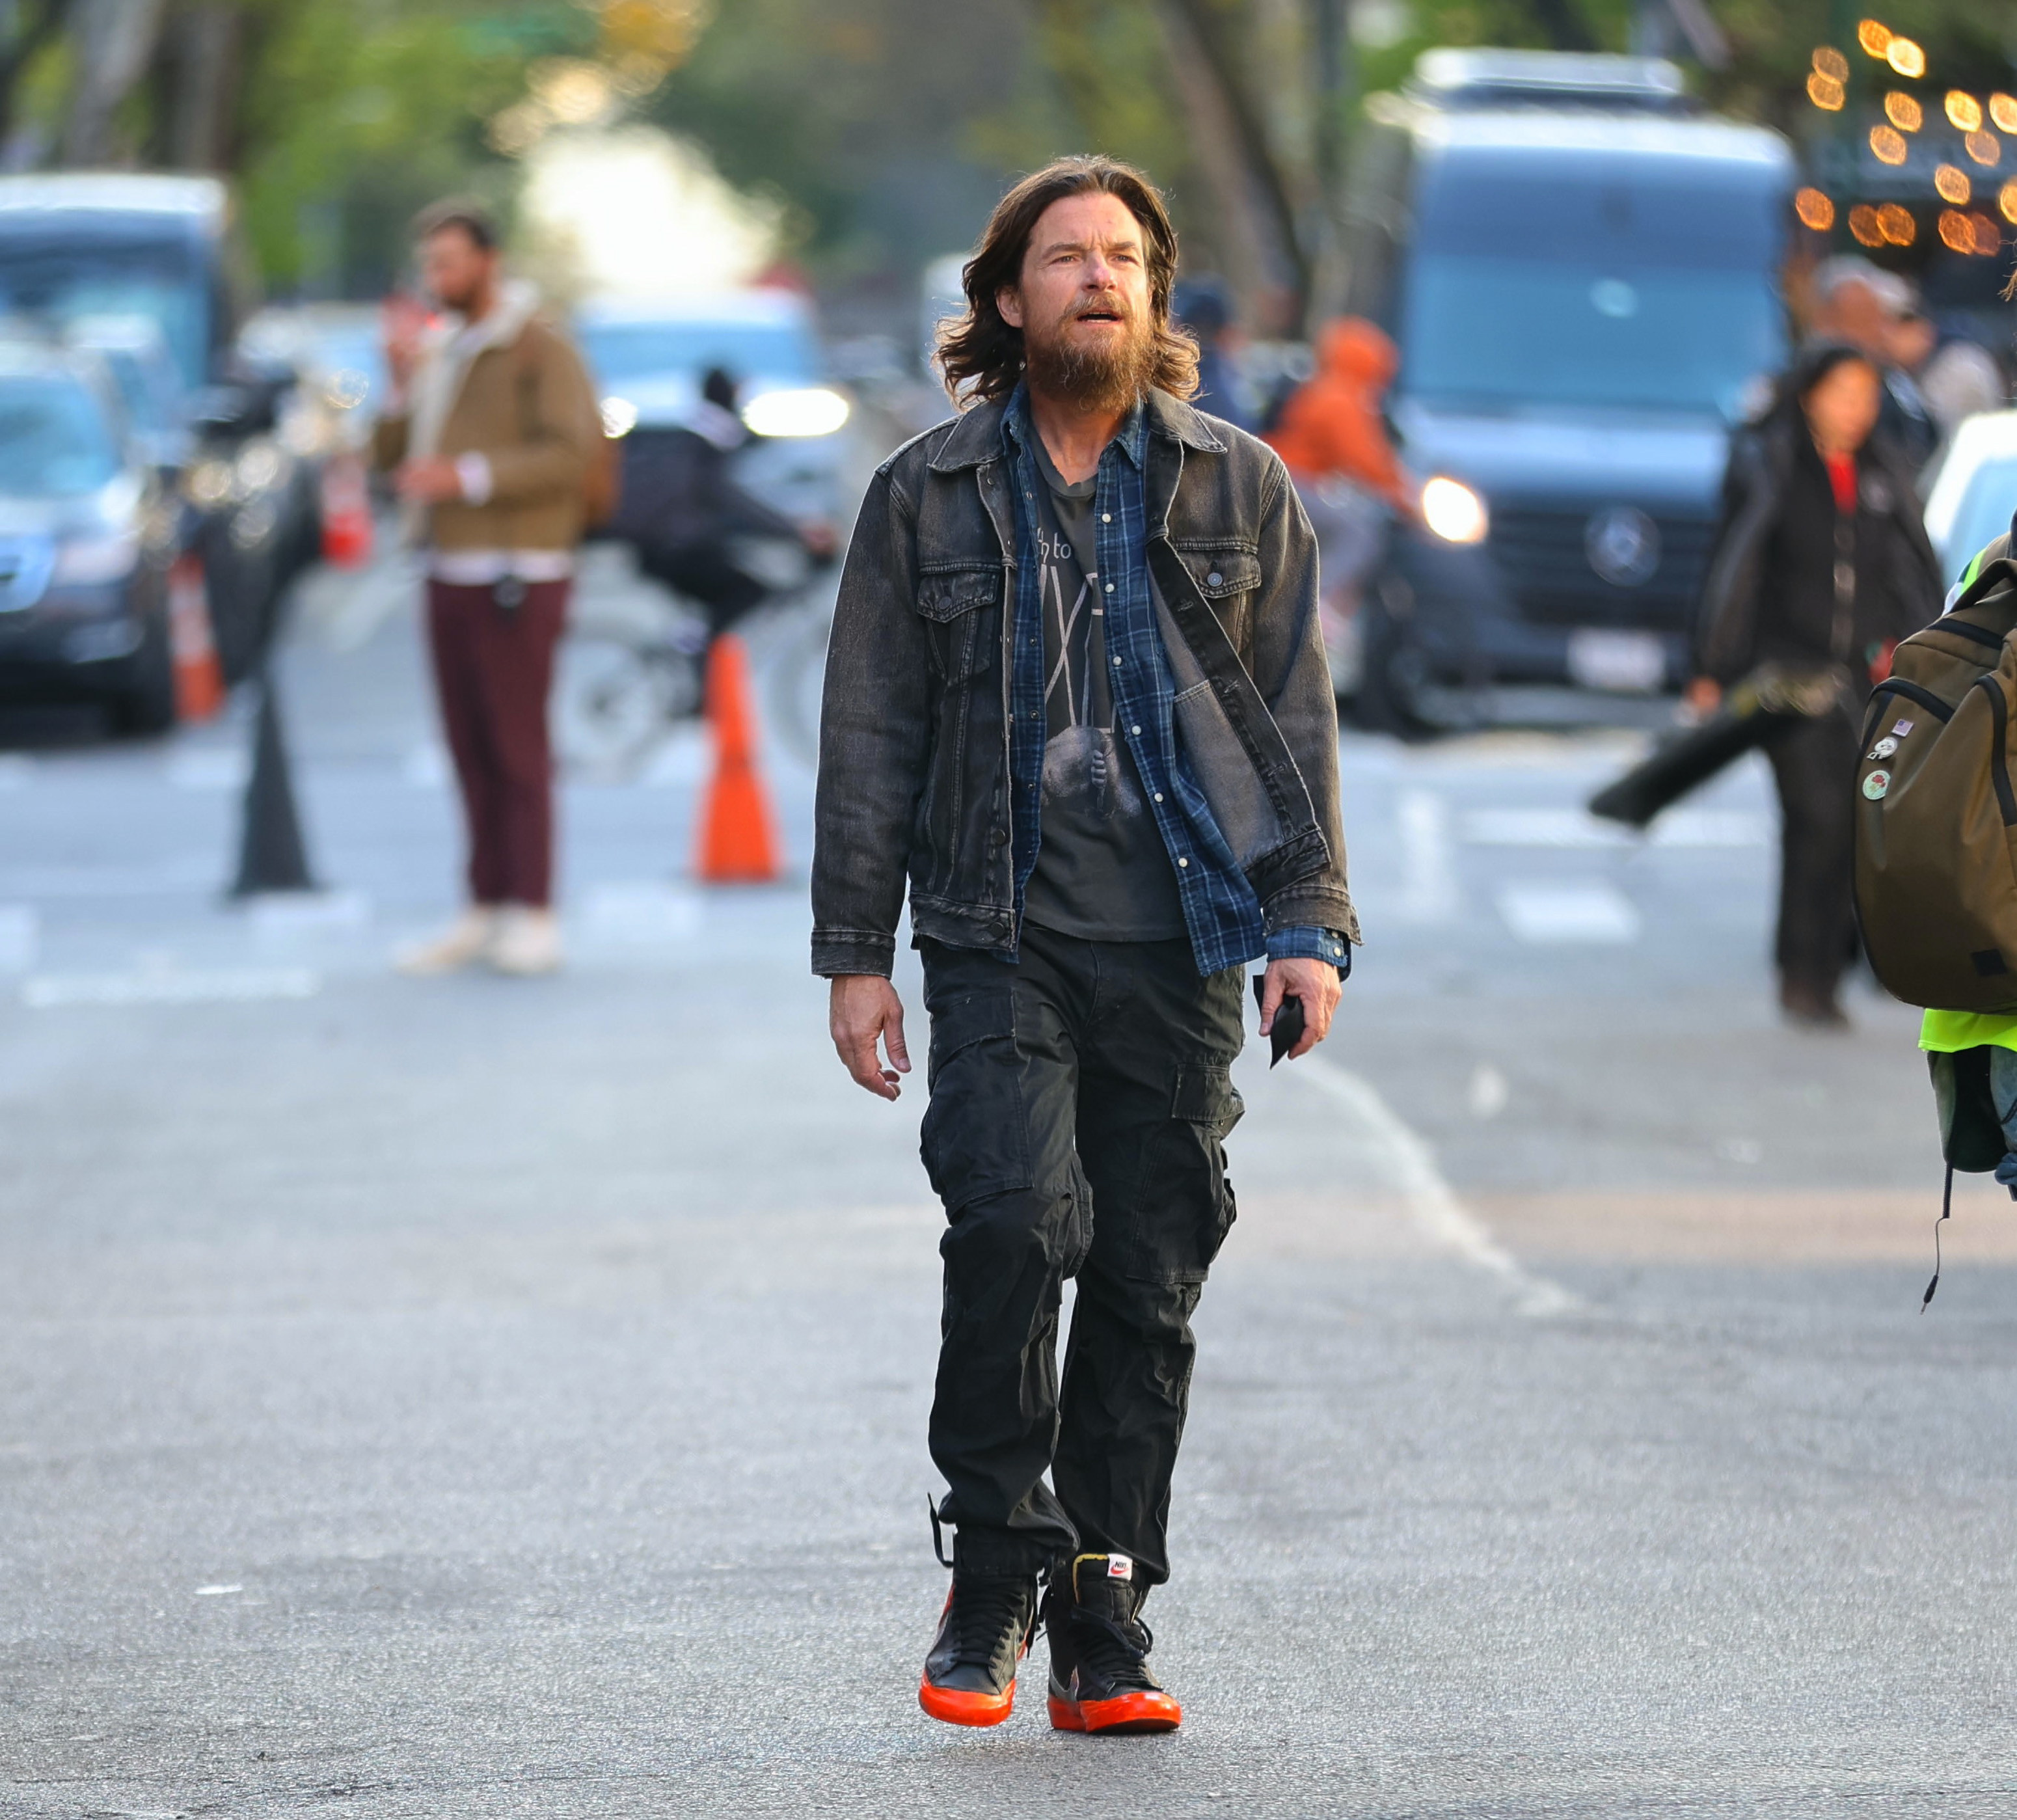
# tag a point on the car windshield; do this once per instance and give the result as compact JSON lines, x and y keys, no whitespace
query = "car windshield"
{"x":63,"y":279}
{"x":54,"y":441}
{"x":622,"y":353}
{"x":149,"y":401}
{"x":1530,"y":289}
{"x":1983,"y":514}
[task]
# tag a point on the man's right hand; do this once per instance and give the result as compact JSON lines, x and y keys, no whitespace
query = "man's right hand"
{"x":861,"y":1007}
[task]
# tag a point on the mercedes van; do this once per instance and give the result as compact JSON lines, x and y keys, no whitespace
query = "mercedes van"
{"x":1581,"y":273}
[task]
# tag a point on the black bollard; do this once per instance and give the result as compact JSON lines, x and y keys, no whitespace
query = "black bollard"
{"x":271,"y":856}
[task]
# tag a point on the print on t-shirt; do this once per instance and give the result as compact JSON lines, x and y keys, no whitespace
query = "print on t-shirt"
{"x":1082,"y":766}
{"x":1103,"y":872}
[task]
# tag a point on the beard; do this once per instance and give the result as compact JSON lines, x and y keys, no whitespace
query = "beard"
{"x":1104,"y":376}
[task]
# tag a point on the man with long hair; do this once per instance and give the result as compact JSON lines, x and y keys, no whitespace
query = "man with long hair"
{"x":1075,"y":696}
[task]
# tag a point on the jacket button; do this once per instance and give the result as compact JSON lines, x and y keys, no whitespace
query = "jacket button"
{"x":1214,"y":579}
{"x":997,"y":837}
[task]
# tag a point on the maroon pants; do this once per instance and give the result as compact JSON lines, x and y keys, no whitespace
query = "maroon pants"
{"x":493,"y":666}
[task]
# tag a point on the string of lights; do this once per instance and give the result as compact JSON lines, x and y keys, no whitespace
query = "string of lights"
{"x":1964,"y":225}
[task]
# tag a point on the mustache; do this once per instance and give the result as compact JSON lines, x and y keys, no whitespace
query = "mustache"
{"x":1115,"y":308}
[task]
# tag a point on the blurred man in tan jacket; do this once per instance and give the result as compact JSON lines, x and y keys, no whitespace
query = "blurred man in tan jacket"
{"x":491,"y":438}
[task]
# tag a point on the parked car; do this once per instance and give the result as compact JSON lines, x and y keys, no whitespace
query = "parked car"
{"x":647,"y":357}
{"x":80,"y":245}
{"x":88,"y":530}
{"x":1972,"y":494}
{"x":1581,"y":275}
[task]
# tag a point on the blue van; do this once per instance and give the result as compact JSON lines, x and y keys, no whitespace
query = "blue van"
{"x":1581,"y":274}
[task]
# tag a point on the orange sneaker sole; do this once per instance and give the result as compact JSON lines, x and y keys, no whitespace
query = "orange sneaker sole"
{"x":1136,"y":1712}
{"x":963,"y":1706}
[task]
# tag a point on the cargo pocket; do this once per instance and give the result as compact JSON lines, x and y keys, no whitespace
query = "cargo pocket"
{"x":974,"y":1140}
{"x":1185,"y":1208}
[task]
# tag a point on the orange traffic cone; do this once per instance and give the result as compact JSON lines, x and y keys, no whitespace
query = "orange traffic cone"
{"x":738,"y":841}
{"x":199,"y":677}
{"x":346,"y":513}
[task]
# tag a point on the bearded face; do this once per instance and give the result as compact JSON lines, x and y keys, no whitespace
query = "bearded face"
{"x":1084,"y":305}
{"x":1100,"y":354}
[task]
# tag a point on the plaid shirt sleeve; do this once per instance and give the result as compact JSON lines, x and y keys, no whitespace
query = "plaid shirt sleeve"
{"x":1311,"y":944}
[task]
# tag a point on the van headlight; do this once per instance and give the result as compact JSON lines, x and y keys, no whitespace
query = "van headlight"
{"x":812,"y":410}
{"x":93,"y":561}
{"x":1455,"y":513}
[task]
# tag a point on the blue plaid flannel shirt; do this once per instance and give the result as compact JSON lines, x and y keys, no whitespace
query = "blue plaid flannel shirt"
{"x":1224,"y":916}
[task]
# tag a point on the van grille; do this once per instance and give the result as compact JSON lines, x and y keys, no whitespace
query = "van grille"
{"x":1541,"y":555}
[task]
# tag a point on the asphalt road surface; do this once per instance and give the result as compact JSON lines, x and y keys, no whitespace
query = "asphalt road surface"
{"x":474,"y":1397}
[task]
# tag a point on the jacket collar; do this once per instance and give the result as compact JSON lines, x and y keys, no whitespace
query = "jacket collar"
{"x":976,"y":436}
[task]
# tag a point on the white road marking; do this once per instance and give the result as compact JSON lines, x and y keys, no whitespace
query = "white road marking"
{"x":426,"y":767}
{"x":1576,"y":828}
{"x":1410,"y":1165}
{"x":1489,"y":1091}
{"x":1545,"y":913}
{"x":168,"y":986}
{"x":1429,"y":889}
{"x":20,"y":937}
{"x":645,"y":914}
{"x":283,"y":912}
{"x":210,"y":768}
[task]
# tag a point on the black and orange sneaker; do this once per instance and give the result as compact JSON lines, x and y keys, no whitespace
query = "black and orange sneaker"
{"x":1100,"y":1680}
{"x":984,"y":1633}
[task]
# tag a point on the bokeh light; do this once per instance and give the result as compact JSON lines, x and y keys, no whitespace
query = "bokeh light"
{"x":1964,"y":110}
{"x":1952,"y":183}
{"x":1903,"y":111}
{"x":1814,"y":210}
{"x":1906,"y":58}
{"x":1864,"y":225}
{"x":1985,"y":148}
{"x":1824,"y":91}
{"x":1874,"y":38}
{"x":1831,"y":62}
{"x":1887,"y":146}
{"x":2003,"y":111}
{"x":1988,"y":236}
{"x":1896,"y":223}
{"x":2006,"y":200}
{"x":1956,"y":231}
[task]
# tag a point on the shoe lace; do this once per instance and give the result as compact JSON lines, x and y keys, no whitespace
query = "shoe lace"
{"x":1117,"y":1653}
{"x":985,"y":1611}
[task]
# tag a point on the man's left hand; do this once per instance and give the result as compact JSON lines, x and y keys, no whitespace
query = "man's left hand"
{"x":429,"y":480}
{"x":1316,"y":984}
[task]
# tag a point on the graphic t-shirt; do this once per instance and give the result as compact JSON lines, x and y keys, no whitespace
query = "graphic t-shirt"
{"x":1103,"y":872}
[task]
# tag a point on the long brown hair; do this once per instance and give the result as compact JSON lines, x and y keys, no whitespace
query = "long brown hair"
{"x":981,"y":355}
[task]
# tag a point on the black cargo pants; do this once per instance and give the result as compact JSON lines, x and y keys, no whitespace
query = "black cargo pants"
{"x":1078,"y":1103}
{"x":1814,"y":766}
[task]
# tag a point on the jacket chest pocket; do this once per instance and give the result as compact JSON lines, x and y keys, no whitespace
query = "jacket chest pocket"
{"x":1226,"y":574}
{"x":964,"y":632}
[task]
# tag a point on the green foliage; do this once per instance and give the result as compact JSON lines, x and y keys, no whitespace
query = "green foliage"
{"x":358,"y":112}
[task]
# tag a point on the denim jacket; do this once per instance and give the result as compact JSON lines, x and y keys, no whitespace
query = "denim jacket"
{"x":922,"y":757}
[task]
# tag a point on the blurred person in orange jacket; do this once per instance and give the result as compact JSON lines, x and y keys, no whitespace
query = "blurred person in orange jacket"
{"x":1332,"y":425}
{"x":1334,"y":441}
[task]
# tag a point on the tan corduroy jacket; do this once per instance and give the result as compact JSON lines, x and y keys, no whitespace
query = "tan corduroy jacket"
{"x":522,"y":400}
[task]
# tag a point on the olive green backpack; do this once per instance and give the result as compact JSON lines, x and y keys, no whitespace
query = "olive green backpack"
{"x":1935,"y":807}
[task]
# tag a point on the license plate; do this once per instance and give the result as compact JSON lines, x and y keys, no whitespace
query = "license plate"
{"x":1623,"y":663}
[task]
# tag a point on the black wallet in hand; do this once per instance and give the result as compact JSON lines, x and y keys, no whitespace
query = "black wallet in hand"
{"x":1288,"y":1031}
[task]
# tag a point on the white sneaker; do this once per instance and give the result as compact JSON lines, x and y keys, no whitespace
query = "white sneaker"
{"x":527,"y":941}
{"x":468,"y":939}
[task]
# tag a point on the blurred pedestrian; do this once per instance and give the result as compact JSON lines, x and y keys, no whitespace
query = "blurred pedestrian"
{"x":1333,"y":434}
{"x":492,"y":434}
{"x":684,"y":512}
{"x":1096,"y":844}
{"x":1875,"y":311}
{"x":1960,"y":378}
{"x":1204,"y":310}
{"x":1821,"y":565}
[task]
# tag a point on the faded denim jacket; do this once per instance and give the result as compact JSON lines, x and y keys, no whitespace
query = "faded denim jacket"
{"x":927,"y":773}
